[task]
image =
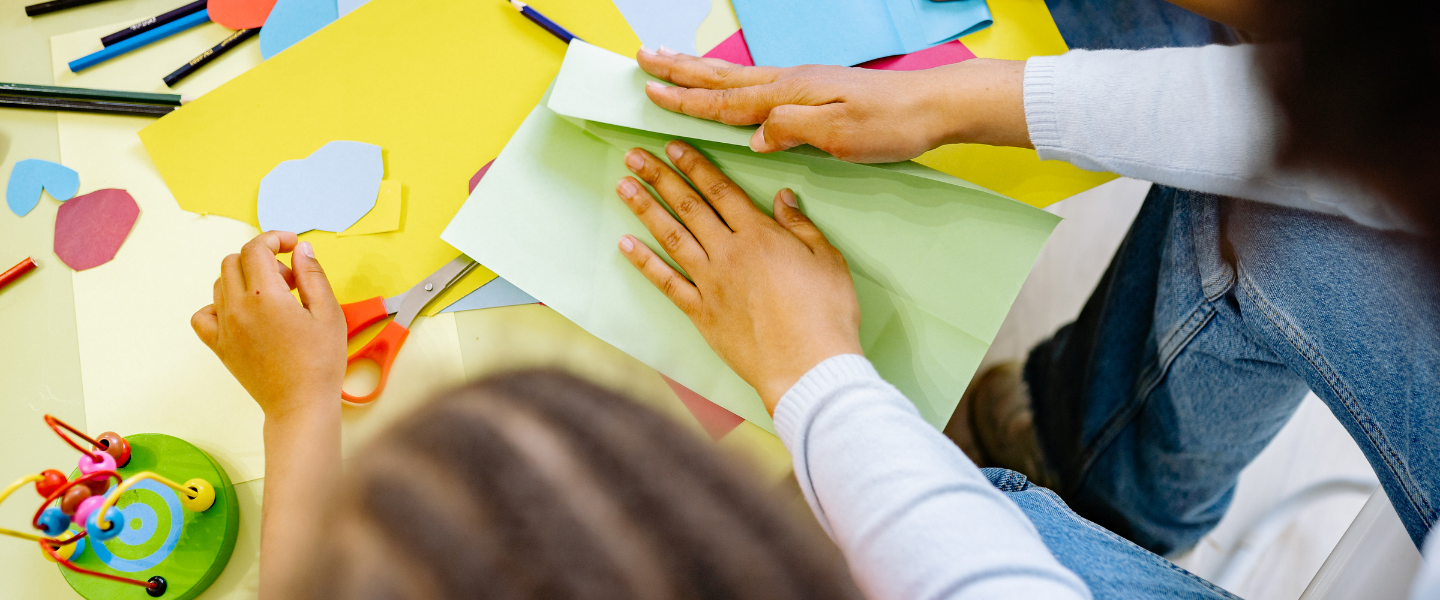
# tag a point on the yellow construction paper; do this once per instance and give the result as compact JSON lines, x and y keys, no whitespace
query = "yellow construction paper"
{"x":142,"y":367}
{"x":1021,"y":29}
{"x":720,"y":24}
{"x":384,"y":217}
{"x":440,"y":89}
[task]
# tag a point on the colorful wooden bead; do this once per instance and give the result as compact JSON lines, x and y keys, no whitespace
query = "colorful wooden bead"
{"x":52,"y":482}
{"x":72,"y":499}
{"x":98,"y":487}
{"x":90,"y":465}
{"x":53,"y":522}
{"x":199,"y":495}
{"x":115,"y":446}
{"x":87,"y":506}
{"x":64,"y":552}
{"x":114,"y":519}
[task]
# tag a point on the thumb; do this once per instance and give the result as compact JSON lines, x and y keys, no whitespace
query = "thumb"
{"x":788,"y":215}
{"x":315,"y":292}
{"x":792,"y":125}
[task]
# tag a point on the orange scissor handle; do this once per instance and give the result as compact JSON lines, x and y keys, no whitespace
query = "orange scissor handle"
{"x":382,"y":350}
{"x":362,"y":314}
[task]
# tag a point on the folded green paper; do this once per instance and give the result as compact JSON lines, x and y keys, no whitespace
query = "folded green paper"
{"x":936,"y":261}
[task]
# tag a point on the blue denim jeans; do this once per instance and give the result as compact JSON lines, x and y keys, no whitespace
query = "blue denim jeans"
{"x":1113,"y":568}
{"x":1213,"y":320}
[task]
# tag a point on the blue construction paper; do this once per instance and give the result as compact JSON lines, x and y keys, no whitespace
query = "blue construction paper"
{"x":143,"y":39}
{"x":495,"y":294}
{"x":669,"y":23}
{"x":32,"y":175}
{"x":329,"y":190}
{"x":786,"y":33}
{"x":343,"y":7}
{"x":294,"y":20}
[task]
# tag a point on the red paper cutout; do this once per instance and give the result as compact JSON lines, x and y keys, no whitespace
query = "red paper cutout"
{"x":240,"y":14}
{"x":716,"y":421}
{"x":90,"y":229}
{"x":475,"y":179}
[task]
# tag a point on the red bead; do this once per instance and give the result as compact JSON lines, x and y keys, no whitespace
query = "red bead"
{"x":116,"y":446}
{"x":52,"y":482}
{"x":72,"y":499}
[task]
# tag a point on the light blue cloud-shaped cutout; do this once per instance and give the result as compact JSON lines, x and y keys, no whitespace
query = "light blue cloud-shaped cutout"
{"x":329,"y":190}
{"x":32,"y":175}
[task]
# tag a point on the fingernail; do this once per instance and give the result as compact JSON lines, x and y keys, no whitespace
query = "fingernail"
{"x":625,"y":244}
{"x":667,"y":52}
{"x":757,"y":137}
{"x":674,"y":151}
{"x":788,"y":197}
{"x":634,"y":160}
{"x":654,"y":86}
{"x":646,"y":50}
{"x":627,"y":189}
{"x":306,"y":249}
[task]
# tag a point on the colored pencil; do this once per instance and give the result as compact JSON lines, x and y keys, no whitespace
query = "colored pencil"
{"x":143,"y":39}
{"x":90,"y":106}
{"x":544,"y":22}
{"x":35,"y":10}
{"x":69,"y":93}
{"x":16,"y":271}
{"x":152,"y":23}
{"x":205,"y":57}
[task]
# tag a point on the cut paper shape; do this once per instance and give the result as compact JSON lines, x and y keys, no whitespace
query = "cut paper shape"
{"x":240,"y":14}
{"x":293,"y":20}
{"x":329,"y":190}
{"x":339,"y":85}
{"x":384,"y":217}
{"x":716,"y":420}
{"x":936,"y":261}
{"x":717,"y":26}
{"x":669,"y":23}
{"x":343,"y":7}
{"x":32,"y":175}
{"x":90,"y":229}
{"x":475,"y":179}
{"x":850,"y":32}
{"x":733,"y":50}
{"x":495,"y":294}
{"x":948,"y":53}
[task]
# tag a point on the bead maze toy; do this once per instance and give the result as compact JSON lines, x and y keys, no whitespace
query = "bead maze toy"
{"x":144,"y":536}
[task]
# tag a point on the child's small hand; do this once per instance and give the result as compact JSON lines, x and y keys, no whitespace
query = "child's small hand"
{"x":289,"y":355}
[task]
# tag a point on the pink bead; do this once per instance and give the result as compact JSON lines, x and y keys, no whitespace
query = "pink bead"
{"x":82,"y":513}
{"x":88,"y":466}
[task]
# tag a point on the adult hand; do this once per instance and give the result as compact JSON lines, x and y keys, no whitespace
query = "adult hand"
{"x":857,"y":115}
{"x":289,"y":355}
{"x":770,"y":295}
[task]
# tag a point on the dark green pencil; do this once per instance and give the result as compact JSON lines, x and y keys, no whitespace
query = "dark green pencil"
{"x":69,"y":93}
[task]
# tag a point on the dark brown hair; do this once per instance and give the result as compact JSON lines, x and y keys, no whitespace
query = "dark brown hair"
{"x":540,"y":485}
{"x":1359,"y":85}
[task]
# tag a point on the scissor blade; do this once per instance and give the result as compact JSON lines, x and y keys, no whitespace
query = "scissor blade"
{"x":422,"y":293}
{"x":392,"y":304}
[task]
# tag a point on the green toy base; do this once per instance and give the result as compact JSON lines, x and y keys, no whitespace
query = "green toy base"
{"x":189,"y":553}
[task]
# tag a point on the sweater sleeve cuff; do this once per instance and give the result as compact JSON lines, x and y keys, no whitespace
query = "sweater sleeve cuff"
{"x":798,"y":404}
{"x":1042,"y":103}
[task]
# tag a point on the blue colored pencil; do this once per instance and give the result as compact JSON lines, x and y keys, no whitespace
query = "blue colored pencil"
{"x":542,"y":21}
{"x":153,"y":35}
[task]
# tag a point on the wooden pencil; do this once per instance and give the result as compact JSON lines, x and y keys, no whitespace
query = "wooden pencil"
{"x":544,"y":22}
{"x":153,"y":22}
{"x":35,"y":10}
{"x":205,"y":57}
{"x":71,"y":93}
{"x":90,"y":106}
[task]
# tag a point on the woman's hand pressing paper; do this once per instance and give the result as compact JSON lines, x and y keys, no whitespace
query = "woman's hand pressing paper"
{"x":770,"y":295}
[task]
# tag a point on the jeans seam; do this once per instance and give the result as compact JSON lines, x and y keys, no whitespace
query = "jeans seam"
{"x":1148,"y":381}
{"x":1307,"y":350}
{"x":1057,"y":502}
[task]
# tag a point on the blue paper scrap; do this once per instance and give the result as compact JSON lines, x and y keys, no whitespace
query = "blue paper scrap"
{"x":848,"y":32}
{"x":294,"y":20}
{"x":32,"y":175}
{"x":669,"y":23}
{"x":345,"y":6}
{"x":329,"y":190}
{"x":495,"y":294}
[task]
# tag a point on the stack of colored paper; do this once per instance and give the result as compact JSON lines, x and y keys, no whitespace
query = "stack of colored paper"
{"x":936,"y":261}
{"x":786,"y":33}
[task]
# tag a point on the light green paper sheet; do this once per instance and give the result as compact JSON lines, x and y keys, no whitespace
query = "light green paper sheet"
{"x":936,"y":265}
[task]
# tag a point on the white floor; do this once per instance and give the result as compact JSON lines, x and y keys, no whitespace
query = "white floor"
{"x":1264,"y":549}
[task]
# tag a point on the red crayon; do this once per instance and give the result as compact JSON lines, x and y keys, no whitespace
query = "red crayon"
{"x":16,"y":271}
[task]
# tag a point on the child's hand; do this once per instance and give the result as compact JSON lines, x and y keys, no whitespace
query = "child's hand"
{"x":771,"y":296}
{"x":289,"y":355}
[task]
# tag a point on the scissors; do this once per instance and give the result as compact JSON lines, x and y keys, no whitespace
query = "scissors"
{"x":405,"y":306}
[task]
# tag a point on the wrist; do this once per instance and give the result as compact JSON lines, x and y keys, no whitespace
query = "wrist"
{"x":776,"y":386}
{"x":982,"y":101}
{"x":304,"y":411}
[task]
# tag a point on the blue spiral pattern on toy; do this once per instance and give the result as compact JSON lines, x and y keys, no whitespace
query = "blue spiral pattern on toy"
{"x":148,"y":523}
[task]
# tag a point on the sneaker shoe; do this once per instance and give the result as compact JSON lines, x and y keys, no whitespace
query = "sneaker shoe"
{"x":995,"y":427}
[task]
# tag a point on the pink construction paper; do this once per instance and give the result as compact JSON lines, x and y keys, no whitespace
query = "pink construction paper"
{"x":734,"y":50}
{"x":716,"y":421}
{"x":89,"y":229}
{"x":475,"y":179}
